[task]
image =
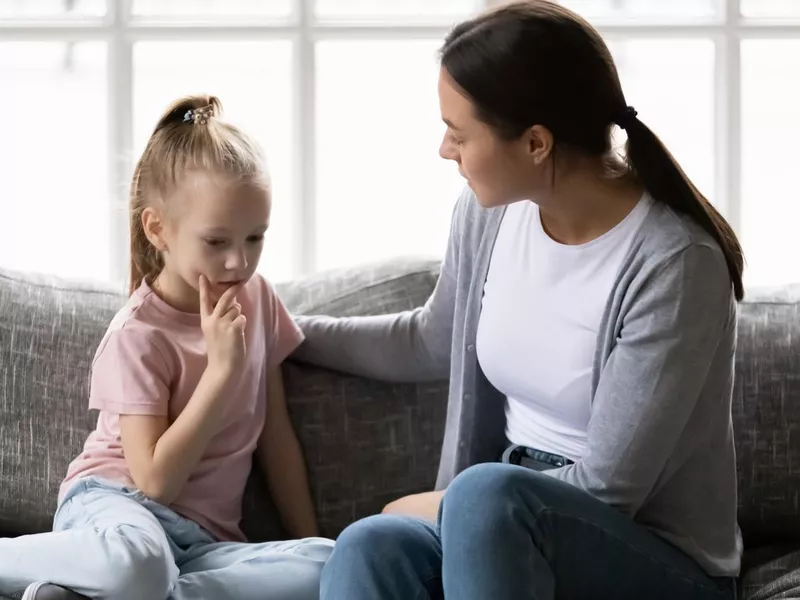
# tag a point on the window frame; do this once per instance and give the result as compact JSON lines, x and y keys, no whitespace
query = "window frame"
{"x":121,"y":31}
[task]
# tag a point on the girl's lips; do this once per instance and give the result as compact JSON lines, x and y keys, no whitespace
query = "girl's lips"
{"x":227,"y":284}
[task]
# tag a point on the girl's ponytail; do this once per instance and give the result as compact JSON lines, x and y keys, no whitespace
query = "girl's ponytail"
{"x":188,"y":136}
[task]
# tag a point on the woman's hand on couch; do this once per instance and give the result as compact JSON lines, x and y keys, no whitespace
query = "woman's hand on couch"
{"x":424,"y":506}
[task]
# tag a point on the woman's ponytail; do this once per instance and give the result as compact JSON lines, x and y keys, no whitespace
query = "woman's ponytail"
{"x":664,"y":179}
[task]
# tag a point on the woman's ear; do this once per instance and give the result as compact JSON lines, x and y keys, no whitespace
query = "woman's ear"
{"x":153,"y":225}
{"x":540,"y":143}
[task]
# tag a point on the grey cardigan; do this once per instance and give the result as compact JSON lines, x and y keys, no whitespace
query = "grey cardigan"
{"x":660,"y":438}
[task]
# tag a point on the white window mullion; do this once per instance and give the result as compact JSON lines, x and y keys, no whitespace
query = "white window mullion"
{"x":120,"y":131}
{"x":305,"y":225}
{"x":728,"y":125}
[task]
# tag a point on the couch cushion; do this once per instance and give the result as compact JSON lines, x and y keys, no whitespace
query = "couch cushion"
{"x":771,"y":573}
{"x":365,"y":442}
{"x":48,"y":333}
{"x":766,"y":413}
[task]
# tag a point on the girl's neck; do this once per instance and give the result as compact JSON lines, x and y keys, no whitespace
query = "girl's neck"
{"x":174,"y":290}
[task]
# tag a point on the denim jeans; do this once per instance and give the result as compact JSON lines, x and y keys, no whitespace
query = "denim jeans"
{"x":113,"y":542}
{"x":510,"y":533}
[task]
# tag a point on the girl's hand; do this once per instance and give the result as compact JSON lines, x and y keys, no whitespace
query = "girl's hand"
{"x":223,"y":327}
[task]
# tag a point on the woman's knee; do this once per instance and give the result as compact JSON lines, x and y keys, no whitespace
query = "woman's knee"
{"x":384,"y":552}
{"x":140,"y":566}
{"x":491,"y":491}
{"x":489,"y":481}
{"x":379,"y":535}
{"x":384,"y":544}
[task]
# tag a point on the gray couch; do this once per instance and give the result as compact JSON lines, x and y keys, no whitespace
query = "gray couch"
{"x":368,"y":442}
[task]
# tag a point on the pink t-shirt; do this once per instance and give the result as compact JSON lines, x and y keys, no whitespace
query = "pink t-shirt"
{"x":150,"y":362}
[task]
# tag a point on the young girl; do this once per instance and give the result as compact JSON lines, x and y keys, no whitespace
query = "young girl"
{"x":188,"y":384}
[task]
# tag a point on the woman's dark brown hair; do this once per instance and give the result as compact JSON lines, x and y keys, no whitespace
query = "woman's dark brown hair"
{"x":534,"y":62}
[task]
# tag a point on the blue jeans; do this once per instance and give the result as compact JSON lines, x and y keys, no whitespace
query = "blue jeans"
{"x":113,"y":542}
{"x":509,"y":533}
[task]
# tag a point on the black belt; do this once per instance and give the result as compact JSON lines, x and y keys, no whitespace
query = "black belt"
{"x":531,"y":458}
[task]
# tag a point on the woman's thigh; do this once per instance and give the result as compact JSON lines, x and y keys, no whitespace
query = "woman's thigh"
{"x":385,"y":557}
{"x":509,"y":532}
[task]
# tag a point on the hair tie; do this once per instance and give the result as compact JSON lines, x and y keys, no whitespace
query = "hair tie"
{"x":626,"y":119}
{"x":200,"y":116}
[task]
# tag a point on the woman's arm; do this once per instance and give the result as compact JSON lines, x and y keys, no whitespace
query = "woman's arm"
{"x":654,"y":377}
{"x":281,"y":458}
{"x":410,"y":346}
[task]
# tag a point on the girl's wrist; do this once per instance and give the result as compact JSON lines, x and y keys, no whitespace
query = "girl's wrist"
{"x":219,"y":375}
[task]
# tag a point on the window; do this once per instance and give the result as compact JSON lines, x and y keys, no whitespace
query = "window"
{"x":342,"y":95}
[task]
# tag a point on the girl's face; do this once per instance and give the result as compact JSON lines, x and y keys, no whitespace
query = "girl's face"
{"x":498,"y":171}
{"x":211,"y":227}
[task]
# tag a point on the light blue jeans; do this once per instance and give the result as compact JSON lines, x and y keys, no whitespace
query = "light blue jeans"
{"x":509,"y":533}
{"x":112,"y":542}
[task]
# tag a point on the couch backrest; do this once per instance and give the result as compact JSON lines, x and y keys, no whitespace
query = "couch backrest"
{"x":365,"y":442}
{"x":48,"y":333}
{"x":766,"y":414}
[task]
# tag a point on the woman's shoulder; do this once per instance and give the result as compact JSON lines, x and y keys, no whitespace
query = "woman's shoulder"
{"x":668,"y":235}
{"x":676,"y":258}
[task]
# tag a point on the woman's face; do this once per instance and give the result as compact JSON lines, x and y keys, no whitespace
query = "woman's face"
{"x":498,"y":171}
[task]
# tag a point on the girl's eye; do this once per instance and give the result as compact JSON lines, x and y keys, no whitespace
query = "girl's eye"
{"x":214,"y":243}
{"x":256,"y":239}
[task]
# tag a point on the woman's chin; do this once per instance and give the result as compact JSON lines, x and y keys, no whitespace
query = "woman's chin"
{"x":488,"y":200}
{"x":485,"y":200}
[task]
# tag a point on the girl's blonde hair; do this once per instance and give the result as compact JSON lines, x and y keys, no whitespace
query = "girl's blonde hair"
{"x":189,"y":136}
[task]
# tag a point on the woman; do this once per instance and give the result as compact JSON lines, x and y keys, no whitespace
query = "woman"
{"x":585,"y":315}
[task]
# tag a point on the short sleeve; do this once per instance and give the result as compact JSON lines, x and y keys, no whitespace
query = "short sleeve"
{"x":284,"y":335}
{"x":130,"y":375}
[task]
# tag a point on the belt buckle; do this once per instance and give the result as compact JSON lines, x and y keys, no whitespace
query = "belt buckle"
{"x":515,"y":456}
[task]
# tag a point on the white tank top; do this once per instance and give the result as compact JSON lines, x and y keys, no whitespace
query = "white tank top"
{"x":542,"y":306}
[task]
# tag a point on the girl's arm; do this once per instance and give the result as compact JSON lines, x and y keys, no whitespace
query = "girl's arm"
{"x":160,"y":456}
{"x":281,"y":458}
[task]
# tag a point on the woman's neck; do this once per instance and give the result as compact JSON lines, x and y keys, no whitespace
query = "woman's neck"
{"x":586,"y":204}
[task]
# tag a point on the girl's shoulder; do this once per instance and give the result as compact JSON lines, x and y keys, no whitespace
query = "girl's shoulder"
{"x":137,"y":325}
{"x":261,"y":295}
{"x":281,"y":332}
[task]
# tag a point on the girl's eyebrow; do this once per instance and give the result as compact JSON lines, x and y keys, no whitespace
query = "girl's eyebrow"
{"x":224,"y":231}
